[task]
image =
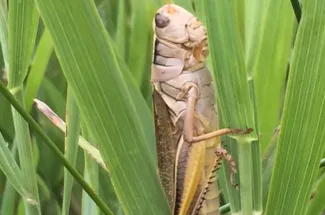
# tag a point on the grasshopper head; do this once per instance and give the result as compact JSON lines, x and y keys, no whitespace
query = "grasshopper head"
{"x":175,"y":24}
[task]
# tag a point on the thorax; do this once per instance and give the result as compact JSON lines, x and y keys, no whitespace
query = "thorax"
{"x":205,"y":110}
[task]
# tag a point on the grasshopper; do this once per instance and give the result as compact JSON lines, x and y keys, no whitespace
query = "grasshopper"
{"x":186,"y":119}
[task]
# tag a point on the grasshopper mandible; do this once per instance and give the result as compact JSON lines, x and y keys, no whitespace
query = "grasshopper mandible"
{"x":186,"y":119}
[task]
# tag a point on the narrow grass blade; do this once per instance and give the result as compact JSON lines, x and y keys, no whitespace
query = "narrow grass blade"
{"x":140,"y":42}
{"x":240,"y":13}
{"x":233,"y":95}
{"x":120,"y":36}
{"x":107,"y":191}
{"x":38,"y":68}
{"x":11,"y":169}
{"x":43,"y":189}
{"x":26,"y":157}
{"x":9,"y":197}
{"x":257,"y":176}
{"x":268,"y":163}
{"x":230,"y":76}
{"x":88,"y":61}
{"x":302,"y":134}
{"x":6,"y":120}
{"x":47,"y":196}
{"x":199,"y":10}
{"x":58,"y":122}
{"x":144,"y":114}
{"x":297,"y":9}
{"x":71,"y":148}
{"x":33,"y":124}
{"x":91,"y":174}
{"x":8,"y":203}
{"x":23,"y":23}
{"x":268,"y":64}
{"x":316,"y":203}
{"x":4,"y":32}
{"x":88,"y":205}
{"x":253,"y":13}
{"x":140,"y":102}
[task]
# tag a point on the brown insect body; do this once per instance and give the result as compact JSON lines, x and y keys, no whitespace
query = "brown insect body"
{"x":186,"y":117}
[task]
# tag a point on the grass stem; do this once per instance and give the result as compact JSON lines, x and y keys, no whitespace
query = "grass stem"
{"x":245,"y":173}
{"x":25,"y":151}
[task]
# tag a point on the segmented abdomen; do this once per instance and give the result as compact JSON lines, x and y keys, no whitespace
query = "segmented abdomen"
{"x":206,"y":120}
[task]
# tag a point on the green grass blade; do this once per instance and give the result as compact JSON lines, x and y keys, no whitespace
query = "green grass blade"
{"x":144,"y":113}
{"x":302,"y":134}
{"x":140,"y":41}
{"x":316,"y":205}
{"x":8,"y":203}
{"x":268,"y":163}
{"x":228,"y":67}
{"x":26,"y":158}
{"x":270,"y":65}
{"x":199,"y":10}
{"x":257,"y":176}
{"x":140,"y":45}
{"x":4,"y":32}
{"x":6,"y":120}
{"x":253,"y":12}
{"x":90,"y":66}
{"x":71,"y":148}
{"x":11,"y":169}
{"x":161,"y":2}
{"x":45,"y":193}
{"x":33,"y":124}
{"x":38,"y":68}
{"x":233,"y":96}
{"x":88,"y":205}
{"x":91,"y":175}
{"x":240,"y":13}
{"x":23,"y":23}
{"x":121,"y":35}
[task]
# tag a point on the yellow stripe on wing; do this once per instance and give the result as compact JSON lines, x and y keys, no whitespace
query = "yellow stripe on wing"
{"x":195,"y":166}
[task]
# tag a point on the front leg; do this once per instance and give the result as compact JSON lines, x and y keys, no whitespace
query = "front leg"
{"x":190,"y":90}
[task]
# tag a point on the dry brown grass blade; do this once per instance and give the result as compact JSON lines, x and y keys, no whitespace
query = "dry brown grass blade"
{"x":58,"y":122}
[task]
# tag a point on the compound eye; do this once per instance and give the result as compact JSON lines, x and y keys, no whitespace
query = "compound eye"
{"x":161,"y":20}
